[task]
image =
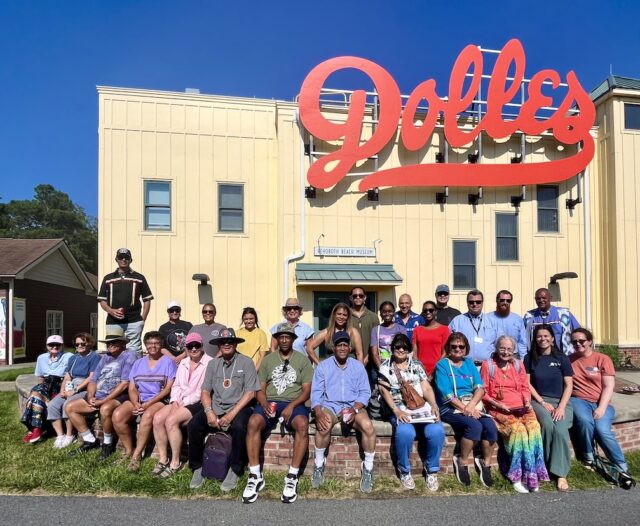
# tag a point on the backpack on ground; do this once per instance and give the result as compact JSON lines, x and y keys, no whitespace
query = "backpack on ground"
{"x":217,"y":456}
{"x":610,"y":471}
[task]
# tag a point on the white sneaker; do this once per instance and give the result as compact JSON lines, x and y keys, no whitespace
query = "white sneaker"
{"x":254,"y":485}
{"x":58,"y":443}
{"x":520,"y":487}
{"x":432,"y":482}
{"x":67,"y":441}
{"x":407,"y":481}
{"x":290,"y":493}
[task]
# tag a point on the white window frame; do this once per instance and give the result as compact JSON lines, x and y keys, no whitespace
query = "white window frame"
{"x":58,"y":325}
{"x":148,"y":206}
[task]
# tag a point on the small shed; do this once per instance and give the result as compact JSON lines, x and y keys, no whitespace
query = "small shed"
{"x":43,"y":291}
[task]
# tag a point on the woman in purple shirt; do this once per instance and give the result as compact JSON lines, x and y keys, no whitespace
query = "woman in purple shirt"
{"x":150,"y":383}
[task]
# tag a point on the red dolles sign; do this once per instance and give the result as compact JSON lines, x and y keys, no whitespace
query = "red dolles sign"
{"x":567,"y":128}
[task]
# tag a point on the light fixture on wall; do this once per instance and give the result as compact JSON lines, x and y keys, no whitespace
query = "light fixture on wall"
{"x":474,"y":198}
{"x":373,"y":194}
{"x":310,"y":192}
{"x":441,"y":197}
{"x":516,"y":159}
{"x":571,"y":203}
{"x":439,"y":157}
{"x":517,"y":199}
{"x":473,"y":157}
{"x":554,"y":286}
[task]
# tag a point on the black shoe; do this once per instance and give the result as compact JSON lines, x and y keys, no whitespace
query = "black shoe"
{"x":626,"y":481}
{"x":107,"y":451}
{"x":86,"y":446}
{"x":462,"y":472}
{"x":484,"y":472}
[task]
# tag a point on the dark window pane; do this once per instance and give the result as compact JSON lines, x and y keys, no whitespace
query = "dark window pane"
{"x":506,"y":225}
{"x":231,"y":221}
{"x":464,"y":264}
{"x":547,"y":197}
{"x":547,"y":209}
{"x":464,"y":277}
{"x":158,"y":193}
{"x":157,"y":200}
{"x":464,"y":252}
{"x":158,"y":218}
{"x":506,"y":237}
{"x":230,"y":208}
{"x":632,"y":116}
{"x":507,"y":249}
{"x":548,"y":220}
{"x":231,"y":196}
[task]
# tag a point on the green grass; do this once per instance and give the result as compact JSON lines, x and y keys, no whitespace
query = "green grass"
{"x":40,"y":469}
{"x":10,"y":375}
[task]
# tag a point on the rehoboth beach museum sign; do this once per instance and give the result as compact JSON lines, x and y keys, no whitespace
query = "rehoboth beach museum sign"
{"x":570,"y":123}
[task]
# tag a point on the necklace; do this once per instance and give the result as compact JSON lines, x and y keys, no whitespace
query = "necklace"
{"x":226,"y":382}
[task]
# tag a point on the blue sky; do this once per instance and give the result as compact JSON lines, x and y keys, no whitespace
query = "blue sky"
{"x":55,"y":53}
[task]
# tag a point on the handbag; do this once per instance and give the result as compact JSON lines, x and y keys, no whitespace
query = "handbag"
{"x":466,"y":398}
{"x":217,"y":456}
{"x":410,"y":396}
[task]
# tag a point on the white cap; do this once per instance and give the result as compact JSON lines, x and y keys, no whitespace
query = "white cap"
{"x":55,"y":338}
{"x":173,"y":304}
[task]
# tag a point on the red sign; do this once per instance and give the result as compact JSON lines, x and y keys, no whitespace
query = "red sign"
{"x":566,"y":127}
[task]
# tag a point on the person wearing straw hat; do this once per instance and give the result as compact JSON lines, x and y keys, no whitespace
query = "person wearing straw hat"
{"x":292,"y":310}
{"x":105,"y":392}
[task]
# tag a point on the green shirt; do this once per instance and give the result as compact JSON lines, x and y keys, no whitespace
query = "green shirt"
{"x":284,"y":382}
{"x":364,"y":324}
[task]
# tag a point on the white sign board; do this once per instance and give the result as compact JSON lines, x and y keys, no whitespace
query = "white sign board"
{"x":357,"y":252}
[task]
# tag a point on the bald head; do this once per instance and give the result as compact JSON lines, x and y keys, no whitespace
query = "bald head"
{"x":405,"y":303}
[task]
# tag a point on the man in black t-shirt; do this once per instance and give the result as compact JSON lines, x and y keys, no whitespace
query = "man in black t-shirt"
{"x":174,"y":333}
{"x":444,"y":313}
{"x":126,"y":298}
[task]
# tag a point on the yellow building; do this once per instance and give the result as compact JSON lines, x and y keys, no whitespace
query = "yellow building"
{"x":196,"y":183}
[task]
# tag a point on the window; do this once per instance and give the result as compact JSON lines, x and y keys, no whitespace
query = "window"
{"x":230,"y":208}
{"x":548,"y":209}
{"x":55,"y":322}
{"x":157,"y":205}
{"x":464,"y":264}
{"x":632,"y":116}
{"x":506,"y":237}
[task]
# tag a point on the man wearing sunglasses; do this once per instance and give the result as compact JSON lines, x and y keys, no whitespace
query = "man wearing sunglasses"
{"x":560,"y":318}
{"x":174,"y":332}
{"x":285,"y":384}
{"x":126,"y":298}
{"x":480,"y":330}
{"x":444,"y":313}
{"x":292,"y":310}
{"x":509,"y":323}
{"x":209,"y":329}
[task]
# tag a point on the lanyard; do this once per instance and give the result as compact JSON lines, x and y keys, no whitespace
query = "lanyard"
{"x":477,"y":330}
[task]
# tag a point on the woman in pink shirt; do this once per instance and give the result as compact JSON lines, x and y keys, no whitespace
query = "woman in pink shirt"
{"x":184,"y":403}
{"x":508,"y":399}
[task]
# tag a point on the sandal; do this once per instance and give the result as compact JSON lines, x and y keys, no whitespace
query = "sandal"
{"x":134,"y":465}
{"x":562,"y":484}
{"x":169,"y":471}
{"x":160,"y":467}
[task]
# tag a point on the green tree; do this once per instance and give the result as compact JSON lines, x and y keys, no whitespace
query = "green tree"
{"x":51,"y":214}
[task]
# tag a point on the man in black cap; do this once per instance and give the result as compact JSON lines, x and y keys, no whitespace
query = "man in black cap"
{"x":444,"y":313}
{"x":125,"y":296}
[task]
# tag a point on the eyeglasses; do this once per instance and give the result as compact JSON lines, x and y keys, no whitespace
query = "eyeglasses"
{"x":475,"y":302}
{"x":173,"y":311}
{"x":505,"y":349}
{"x":123,"y":258}
{"x":117,"y":343}
{"x":208,"y":312}
{"x":80,"y":344}
{"x":455,"y":347}
{"x":54,"y":345}
{"x":354,"y":296}
{"x":401,"y":348}
{"x":575,"y":343}
{"x":442,"y":294}
{"x":428,"y":310}
{"x":285,"y":365}
{"x":504,"y":300}
{"x":292,"y":308}
{"x":193,"y":346}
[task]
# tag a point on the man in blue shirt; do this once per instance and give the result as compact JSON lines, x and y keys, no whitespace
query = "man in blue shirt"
{"x":561,"y":320}
{"x":480,"y":330}
{"x":508,"y":323}
{"x":339,"y":393}
{"x":406,"y":317}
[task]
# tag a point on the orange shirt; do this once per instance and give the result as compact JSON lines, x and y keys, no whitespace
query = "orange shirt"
{"x":588,"y":373}
{"x":509,"y":387}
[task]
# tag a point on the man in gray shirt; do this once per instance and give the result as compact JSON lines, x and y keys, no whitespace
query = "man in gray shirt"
{"x":209,"y":329}
{"x":229,"y":387}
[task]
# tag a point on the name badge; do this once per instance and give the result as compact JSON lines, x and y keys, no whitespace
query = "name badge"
{"x":477,"y":339}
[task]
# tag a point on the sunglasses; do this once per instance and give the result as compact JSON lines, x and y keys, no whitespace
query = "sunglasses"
{"x":285,"y":365}
{"x":354,"y":296}
{"x":475,"y":302}
{"x":442,"y":294}
{"x":208,"y":312}
{"x":80,"y":344}
{"x":123,"y":258}
{"x":54,"y":345}
{"x":575,"y":343}
{"x":428,"y":310}
{"x":292,"y":308}
{"x":400,"y":348}
{"x":503,"y":300}
{"x":173,"y":311}
{"x":193,"y":346}
{"x":455,"y":347}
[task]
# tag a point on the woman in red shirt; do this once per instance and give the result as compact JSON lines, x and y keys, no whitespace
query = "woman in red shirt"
{"x":429,"y":339}
{"x":508,"y":398}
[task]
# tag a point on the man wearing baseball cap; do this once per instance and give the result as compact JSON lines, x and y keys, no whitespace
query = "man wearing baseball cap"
{"x":340,"y":392}
{"x":292,"y":310}
{"x":125,"y":296}
{"x":174,"y":333}
{"x":444,"y":313}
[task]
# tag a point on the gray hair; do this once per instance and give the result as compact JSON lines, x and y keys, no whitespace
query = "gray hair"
{"x":507,"y":338}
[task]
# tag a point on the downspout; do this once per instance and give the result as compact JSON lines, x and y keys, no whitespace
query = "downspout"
{"x":10,"y":315}
{"x":587,"y":246}
{"x":300,"y":254}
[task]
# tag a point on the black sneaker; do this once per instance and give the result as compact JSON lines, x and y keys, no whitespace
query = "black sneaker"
{"x":626,"y":481}
{"x":107,"y":451}
{"x":462,"y":472}
{"x":484,"y":472}
{"x":86,"y":446}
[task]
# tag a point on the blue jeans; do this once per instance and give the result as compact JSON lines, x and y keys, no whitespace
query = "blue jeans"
{"x":586,"y":429}
{"x":405,"y":434}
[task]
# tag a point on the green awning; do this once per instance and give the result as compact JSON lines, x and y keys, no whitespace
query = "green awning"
{"x":320,"y":273}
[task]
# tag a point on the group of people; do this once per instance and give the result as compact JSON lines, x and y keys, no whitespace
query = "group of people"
{"x":485,"y":375}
